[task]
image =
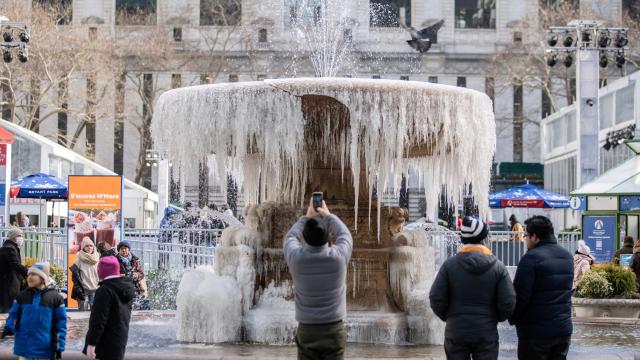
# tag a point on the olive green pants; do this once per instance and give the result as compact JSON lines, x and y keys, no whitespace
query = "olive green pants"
{"x":320,"y":342}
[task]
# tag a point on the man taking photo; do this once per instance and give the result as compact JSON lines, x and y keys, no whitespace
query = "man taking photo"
{"x":319,"y":272}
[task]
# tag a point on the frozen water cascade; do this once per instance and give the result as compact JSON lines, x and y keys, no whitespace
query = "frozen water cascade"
{"x":197,"y":319}
{"x":283,"y":139}
{"x":256,"y":131}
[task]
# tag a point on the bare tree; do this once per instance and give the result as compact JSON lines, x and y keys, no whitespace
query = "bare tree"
{"x":523,"y":61}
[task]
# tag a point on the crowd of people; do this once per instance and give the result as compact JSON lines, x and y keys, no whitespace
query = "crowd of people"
{"x":471,"y":293}
{"x":105,"y":281}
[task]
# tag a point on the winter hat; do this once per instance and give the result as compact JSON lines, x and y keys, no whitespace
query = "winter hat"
{"x":628,"y":240}
{"x":583,"y":248}
{"x":314,"y":233}
{"x":41,"y":269}
{"x":108,"y":266}
{"x":86,"y":241}
{"x":14,"y":233}
{"x":123,"y":243}
{"x":473,"y":231}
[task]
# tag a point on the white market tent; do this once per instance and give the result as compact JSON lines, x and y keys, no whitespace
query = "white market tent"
{"x":622,"y":180}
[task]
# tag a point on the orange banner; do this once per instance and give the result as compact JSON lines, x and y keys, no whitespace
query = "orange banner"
{"x":95,"y":217}
{"x":95,"y":192}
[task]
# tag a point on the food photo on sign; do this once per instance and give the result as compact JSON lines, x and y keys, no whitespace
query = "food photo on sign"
{"x":99,"y":225}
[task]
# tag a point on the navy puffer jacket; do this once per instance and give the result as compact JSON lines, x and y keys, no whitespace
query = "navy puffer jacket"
{"x":543,"y":285}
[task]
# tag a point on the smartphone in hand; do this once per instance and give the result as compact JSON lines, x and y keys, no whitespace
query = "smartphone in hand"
{"x":316,"y":198}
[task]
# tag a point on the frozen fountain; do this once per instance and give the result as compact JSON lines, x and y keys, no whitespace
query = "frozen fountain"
{"x":282,"y":140}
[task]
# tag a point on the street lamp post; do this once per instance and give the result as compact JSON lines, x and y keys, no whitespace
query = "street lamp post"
{"x":158,"y":159}
{"x":589,"y":44}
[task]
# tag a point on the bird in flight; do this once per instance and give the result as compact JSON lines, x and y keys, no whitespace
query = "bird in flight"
{"x":421,"y":40}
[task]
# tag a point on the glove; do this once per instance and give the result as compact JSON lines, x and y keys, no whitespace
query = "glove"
{"x":91,"y":352}
{"x":58,"y":355}
{"x":6,"y":332}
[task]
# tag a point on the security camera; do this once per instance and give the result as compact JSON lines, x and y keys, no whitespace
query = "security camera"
{"x":590,"y":102}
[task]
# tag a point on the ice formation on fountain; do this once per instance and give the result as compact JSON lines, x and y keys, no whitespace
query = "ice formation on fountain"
{"x":256,"y":130}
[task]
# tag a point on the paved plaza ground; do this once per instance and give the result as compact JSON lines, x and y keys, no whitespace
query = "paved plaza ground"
{"x":152,"y":336}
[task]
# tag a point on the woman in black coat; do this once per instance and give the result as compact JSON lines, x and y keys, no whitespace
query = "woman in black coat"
{"x":109,"y":322}
{"x":12,"y":272}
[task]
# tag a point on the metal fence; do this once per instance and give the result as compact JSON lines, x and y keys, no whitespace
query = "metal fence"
{"x":506,"y":246}
{"x":176,"y":249}
{"x":43,"y":244}
{"x":183,"y":249}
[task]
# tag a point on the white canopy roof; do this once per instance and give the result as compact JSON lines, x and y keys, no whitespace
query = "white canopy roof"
{"x":622,"y":180}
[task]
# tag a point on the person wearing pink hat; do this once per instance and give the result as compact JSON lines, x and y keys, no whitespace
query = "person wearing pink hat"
{"x":109,"y":322}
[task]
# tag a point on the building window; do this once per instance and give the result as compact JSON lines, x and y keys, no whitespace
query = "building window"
{"x":631,"y":8}
{"x":517,"y":36}
{"x":475,"y":14}
{"x":386,"y":13}
{"x":261,"y":77}
{"x":263,"y":35}
{"x":90,"y":118}
{"x":545,"y":105}
{"x":404,"y":77}
{"x":233,"y":78}
{"x":461,"y":81}
{"x":60,"y":10}
{"x":176,"y":81}
{"x":490,"y":90}
{"x":348,"y":35}
{"x":375,"y":77}
{"x":93,"y":33}
{"x":118,"y":129}
{"x":220,"y":12}
{"x":177,"y":34}
{"x":433,"y":79}
{"x":63,"y":100}
{"x":136,"y":12}
{"x":518,"y":122}
{"x":303,"y":12}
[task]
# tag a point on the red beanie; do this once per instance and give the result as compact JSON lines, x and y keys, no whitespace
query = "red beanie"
{"x":108,"y":266}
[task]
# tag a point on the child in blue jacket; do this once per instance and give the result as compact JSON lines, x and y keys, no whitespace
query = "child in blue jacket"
{"x":38,"y":318}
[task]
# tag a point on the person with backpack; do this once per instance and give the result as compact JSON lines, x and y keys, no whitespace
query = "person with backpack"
{"x":472,"y":293}
{"x":12,"y":272}
{"x":38,"y":318}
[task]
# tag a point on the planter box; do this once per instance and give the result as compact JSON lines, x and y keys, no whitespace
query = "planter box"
{"x":615,"y":308}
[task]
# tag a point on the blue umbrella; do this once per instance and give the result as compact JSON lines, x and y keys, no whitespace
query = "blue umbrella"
{"x":527,"y":196}
{"x":39,"y":186}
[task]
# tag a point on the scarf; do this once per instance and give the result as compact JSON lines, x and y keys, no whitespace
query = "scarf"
{"x":126,"y":262}
{"x":473,"y":247}
{"x":88,"y":265}
{"x":89,"y":259}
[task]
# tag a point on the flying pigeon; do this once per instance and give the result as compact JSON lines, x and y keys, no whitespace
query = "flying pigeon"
{"x":421,"y":39}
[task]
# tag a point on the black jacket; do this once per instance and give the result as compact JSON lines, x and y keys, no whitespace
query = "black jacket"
{"x":543,"y":285}
{"x":12,"y":273}
{"x":472,"y":293}
{"x":77,"y":293}
{"x":109,"y":321}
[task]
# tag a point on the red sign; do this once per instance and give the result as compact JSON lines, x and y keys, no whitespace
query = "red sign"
{"x":522,"y":203}
{"x":6,"y":137}
{"x":3,"y":154}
